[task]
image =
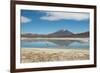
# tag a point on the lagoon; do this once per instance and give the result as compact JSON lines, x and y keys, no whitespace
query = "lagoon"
{"x":78,"y":44}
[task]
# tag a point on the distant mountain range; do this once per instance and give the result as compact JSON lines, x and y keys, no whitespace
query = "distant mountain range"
{"x":62,"y":32}
{"x":59,"y":33}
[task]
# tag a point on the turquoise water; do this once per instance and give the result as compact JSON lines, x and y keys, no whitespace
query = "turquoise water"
{"x":54,"y":44}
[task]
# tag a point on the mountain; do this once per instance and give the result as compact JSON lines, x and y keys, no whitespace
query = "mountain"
{"x":57,"y":34}
{"x":61,"y":32}
{"x":83,"y":34}
{"x":29,"y":35}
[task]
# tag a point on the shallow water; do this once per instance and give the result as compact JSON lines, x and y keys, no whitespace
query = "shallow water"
{"x":79,"y":44}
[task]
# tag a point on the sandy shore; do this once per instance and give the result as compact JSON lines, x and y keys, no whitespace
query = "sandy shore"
{"x":80,"y":39}
{"x":44,"y":55}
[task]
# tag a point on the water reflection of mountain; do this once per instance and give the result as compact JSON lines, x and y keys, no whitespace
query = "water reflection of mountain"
{"x":68,"y":43}
{"x":59,"y":43}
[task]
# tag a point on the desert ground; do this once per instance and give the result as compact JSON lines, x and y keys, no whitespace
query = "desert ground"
{"x":80,"y":39}
{"x":29,"y":55}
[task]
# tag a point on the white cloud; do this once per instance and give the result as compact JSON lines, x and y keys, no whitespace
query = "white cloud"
{"x":54,"y":16}
{"x":25,"y":19}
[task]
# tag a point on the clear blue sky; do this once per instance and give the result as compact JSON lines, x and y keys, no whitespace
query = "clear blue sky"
{"x":44,"y":22}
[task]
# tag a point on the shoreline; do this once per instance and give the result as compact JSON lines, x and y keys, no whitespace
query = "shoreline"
{"x":29,"y":55}
{"x":73,"y":39}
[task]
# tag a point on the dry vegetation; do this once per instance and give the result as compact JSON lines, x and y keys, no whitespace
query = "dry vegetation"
{"x":45,"y":55}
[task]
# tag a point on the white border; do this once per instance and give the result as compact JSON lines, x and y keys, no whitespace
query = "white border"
{"x":51,"y":64}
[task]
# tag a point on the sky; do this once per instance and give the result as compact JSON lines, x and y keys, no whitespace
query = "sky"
{"x":45,"y":22}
